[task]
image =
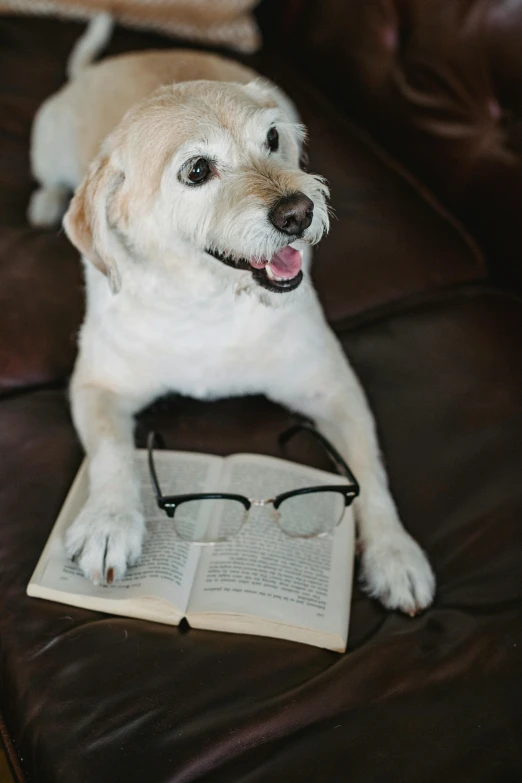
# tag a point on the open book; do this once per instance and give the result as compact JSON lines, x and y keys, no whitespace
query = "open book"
{"x":260,"y":582}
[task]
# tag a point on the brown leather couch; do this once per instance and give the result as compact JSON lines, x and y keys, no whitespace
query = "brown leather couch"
{"x":92,"y":698}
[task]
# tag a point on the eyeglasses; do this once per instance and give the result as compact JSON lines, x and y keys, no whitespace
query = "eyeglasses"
{"x":307,"y":512}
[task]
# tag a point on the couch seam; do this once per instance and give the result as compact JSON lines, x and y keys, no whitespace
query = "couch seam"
{"x":11,"y":754}
{"x":417,"y":302}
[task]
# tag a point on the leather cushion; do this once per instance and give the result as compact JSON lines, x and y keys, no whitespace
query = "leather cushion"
{"x":92,"y":697}
{"x":438,"y":82}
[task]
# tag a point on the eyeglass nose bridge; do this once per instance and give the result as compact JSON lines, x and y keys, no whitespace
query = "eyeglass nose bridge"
{"x":262,"y":502}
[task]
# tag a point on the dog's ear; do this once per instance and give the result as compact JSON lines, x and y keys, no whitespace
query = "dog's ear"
{"x":272,"y":97}
{"x":86,"y":221}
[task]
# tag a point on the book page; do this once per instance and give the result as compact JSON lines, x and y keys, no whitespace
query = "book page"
{"x":263,"y":572}
{"x":167,"y":564}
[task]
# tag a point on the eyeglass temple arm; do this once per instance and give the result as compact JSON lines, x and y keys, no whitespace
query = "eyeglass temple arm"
{"x":332,"y":452}
{"x":154,"y":439}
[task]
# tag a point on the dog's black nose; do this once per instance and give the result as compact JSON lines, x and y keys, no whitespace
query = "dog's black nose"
{"x":292,"y":214}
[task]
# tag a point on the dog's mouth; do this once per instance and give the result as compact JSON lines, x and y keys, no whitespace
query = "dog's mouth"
{"x":280,"y":274}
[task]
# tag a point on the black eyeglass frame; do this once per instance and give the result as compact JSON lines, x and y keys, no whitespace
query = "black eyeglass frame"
{"x":169,"y":503}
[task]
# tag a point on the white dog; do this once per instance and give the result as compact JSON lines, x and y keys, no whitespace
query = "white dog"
{"x":195,"y":221}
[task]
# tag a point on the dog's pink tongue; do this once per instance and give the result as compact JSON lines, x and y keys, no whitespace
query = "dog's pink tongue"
{"x":286,"y":263}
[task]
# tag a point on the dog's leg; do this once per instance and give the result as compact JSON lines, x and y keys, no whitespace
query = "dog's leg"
{"x":107,"y":535}
{"x":322,"y":385}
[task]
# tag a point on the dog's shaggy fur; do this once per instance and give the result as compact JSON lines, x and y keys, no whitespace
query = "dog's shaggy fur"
{"x":164,"y":310}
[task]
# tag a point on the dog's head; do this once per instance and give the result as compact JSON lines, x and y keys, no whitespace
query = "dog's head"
{"x":204,"y":170}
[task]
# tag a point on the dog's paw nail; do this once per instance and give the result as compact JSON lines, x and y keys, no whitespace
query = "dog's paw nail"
{"x":100,"y":536}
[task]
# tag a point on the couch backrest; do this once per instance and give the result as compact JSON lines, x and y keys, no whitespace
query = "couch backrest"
{"x":439,"y":83}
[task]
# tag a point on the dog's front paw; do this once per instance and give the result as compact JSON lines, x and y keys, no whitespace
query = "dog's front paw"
{"x":397,"y":572}
{"x":104,"y":541}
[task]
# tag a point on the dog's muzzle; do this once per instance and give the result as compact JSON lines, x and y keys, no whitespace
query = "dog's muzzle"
{"x":280,"y":274}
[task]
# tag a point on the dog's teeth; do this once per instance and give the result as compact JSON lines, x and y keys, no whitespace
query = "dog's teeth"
{"x":272,"y":276}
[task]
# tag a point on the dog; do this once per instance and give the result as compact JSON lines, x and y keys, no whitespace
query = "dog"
{"x":195,"y":224}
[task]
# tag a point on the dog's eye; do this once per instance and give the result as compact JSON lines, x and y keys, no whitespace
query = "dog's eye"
{"x":198,"y":171}
{"x":272,"y":139}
